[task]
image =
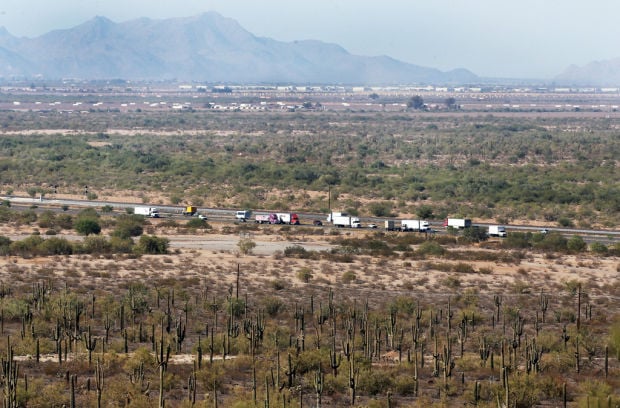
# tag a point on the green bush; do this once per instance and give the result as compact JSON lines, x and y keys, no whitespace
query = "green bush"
{"x":304,"y":275}
{"x":27,"y":247}
{"x":348,"y":277}
{"x":55,"y":246}
{"x":599,"y":248}
{"x":150,"y":244}
{"x":96,"y":245}
{"x":430,"y":248}
{"x":5,"y":245}
{"x":128,"y":225}
{"x":87,"y":226}
{"x":246,"y":246}
{"x":197,"y":223}
{"x":576,"y":244}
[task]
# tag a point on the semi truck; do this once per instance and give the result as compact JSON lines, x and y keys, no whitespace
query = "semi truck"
{"x":497,"y":231}
{"x":243,"y":215}
{"x":190,"y":210}
{"x":333,"y":214}
{"x":342,"y":221}
{"x":414,"y":225}
{"x":266,"y":218}
{"x":151,"y":212}
{"x":288,"y":218}
{"x":390,"y":225}
{"x":459,"y":223}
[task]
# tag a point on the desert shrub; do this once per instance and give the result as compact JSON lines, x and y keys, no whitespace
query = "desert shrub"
{"x":47,"y":219}
{"x":576,"y":244}
{"x":304,"y":275}
{"x":614,"y":338}
{"x":27,"y":217}
{"x":599,"y":248}
{"x":272,"y":305}
{"x":463,"y":267}
{"x":296,"y":251}
{"x":87,"y":226}
{"x":517,"y":240}
{"x":96,"y":245}
{"x":121,"y":245}
{"x":237,"y":306}
{"x":64,"y":221}
{"x":5,"y":245}
{"x":151,"y":244}
{"x":197,"y":223}
{"x":452,"y":282}
{"x":278,"y":284}
{"x":246,"y":246}
{"x":382,"y":209}
{"x":375,"y":382}
{"x":5,"y":214}
{"x":403,"y":304}
{"x":404,"y":385}
{"x":309,"y":360}
{"x":27,"y":247}
{"x":552,"y":242}
{"x":474,"y":234}
{"x":524,"y":390}
{"x":430,"y":248}
{"x":348,"y":277}
{"x":128,"y":226}
{"x":55,"y":246}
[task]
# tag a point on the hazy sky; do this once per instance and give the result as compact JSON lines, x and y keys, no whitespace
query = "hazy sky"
{"x":499,"y":38}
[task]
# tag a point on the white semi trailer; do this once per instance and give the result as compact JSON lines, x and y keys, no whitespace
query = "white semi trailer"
{"x":414,"y":225}
{"x":147,"y":211}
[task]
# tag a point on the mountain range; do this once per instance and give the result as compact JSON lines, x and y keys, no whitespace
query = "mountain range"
{"x":214,"y":49}
{"x":207,"y":47}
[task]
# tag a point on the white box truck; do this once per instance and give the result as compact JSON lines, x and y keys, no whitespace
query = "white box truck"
{"x":147,"y":211}
{"x":414,"y":225}
{"x":342,"y":221}
{"x":497,"y":231}
{"x":459,"y":223}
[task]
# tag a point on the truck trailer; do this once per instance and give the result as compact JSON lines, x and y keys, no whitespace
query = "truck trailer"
{"x":414,"y":225}
{"x":342,"y":221}
{"x":390,"y":225}
{"x":190,"y":210}
{"x":151,"y":212}
{"x":497,"y":231}
{"x":288,"y":218}
{"x":459,"y":223}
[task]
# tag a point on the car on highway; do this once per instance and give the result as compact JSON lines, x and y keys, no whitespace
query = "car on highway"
{"x":318,"y":223}
{"x":372,"y":225}
{"x":202,"y":217}
{"x":544,"y":231}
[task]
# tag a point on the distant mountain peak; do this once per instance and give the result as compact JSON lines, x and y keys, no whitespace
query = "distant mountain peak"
{"x":595,"y":73}
{"x":206,"y":47}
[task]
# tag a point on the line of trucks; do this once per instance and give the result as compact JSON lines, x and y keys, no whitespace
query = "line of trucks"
{"x":337,"y":219}
{"x":268,"y":218}
{"x":460,"y":223}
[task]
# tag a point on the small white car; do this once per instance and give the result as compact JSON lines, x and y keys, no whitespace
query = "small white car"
{"x":372,"y":225}
{"x":202,"y":217}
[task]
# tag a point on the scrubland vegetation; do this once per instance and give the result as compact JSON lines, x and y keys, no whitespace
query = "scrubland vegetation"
{"x":96,"y":325}
{"x":97,"y":310}
{"x":558,"y":171}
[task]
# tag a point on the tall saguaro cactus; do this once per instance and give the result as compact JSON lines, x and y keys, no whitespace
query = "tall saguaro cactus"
{"x":10,"y":372}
